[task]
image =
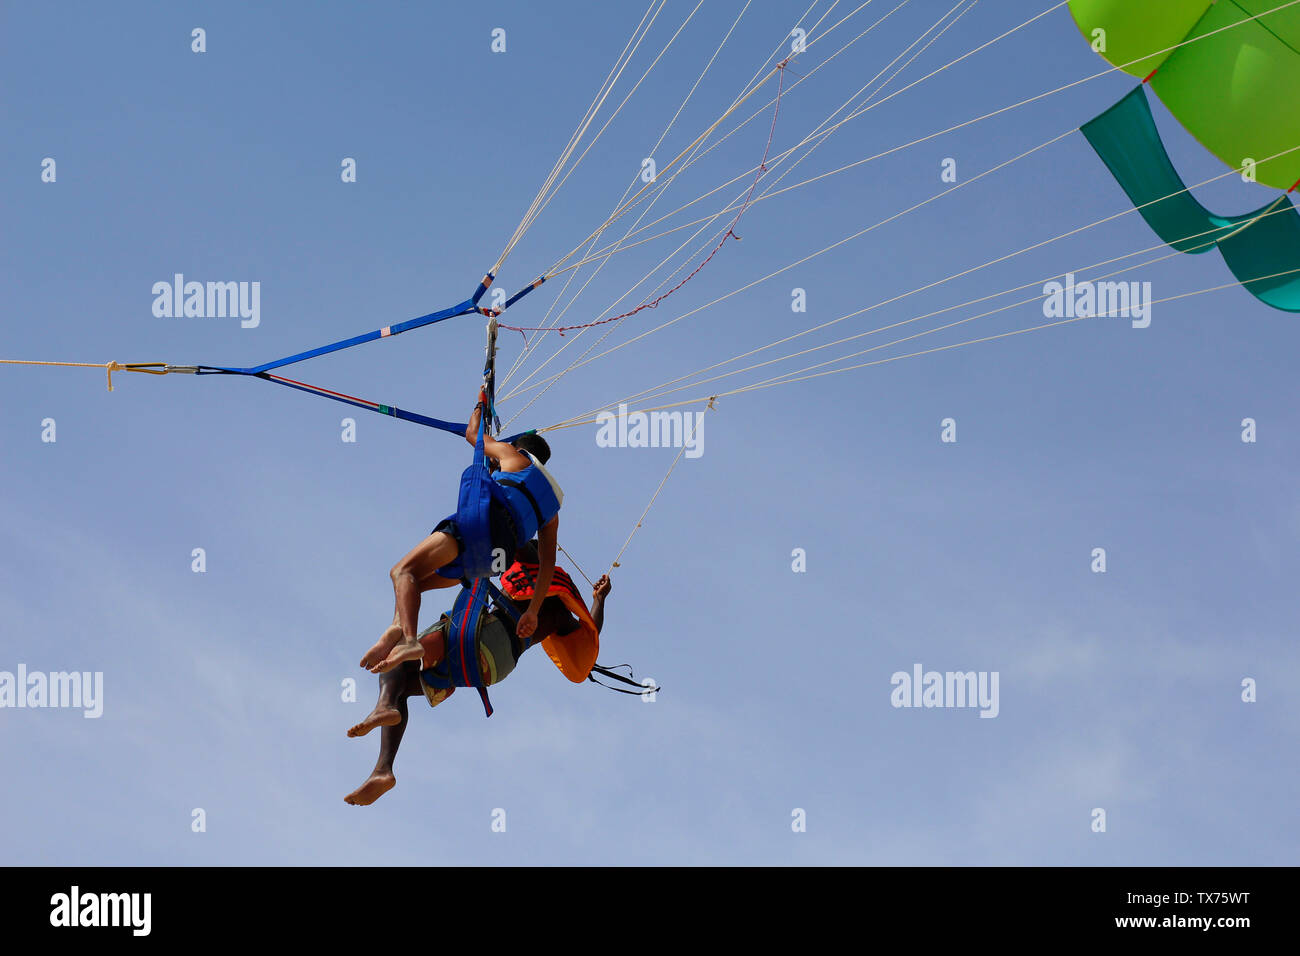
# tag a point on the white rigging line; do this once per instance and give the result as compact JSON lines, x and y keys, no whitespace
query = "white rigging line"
{"x":715,"y":216}
{"x":940,"y":195}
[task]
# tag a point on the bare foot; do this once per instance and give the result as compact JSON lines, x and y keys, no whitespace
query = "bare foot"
{"x":379,"y":717}
{"x":402,"y":652}
{"x":376,"y":785}
{"x":382,"y":647}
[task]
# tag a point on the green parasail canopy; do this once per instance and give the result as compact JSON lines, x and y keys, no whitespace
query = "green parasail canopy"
{"x":1234,"y":84}
{"x":1262,"y":248}
{"x":1232,"y":81}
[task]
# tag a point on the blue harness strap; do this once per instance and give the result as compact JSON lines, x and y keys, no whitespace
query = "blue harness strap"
{"x":460,"y":668}
{"x":462,"y":644}
{"x":263,"y":371}
{"x":473,"y":512}
{"x":478,"y":488}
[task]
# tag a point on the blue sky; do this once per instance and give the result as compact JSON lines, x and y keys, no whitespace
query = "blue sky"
{"x":222,"y":689}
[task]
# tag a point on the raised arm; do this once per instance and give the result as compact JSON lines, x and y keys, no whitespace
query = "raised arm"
{"x":471,"y":430}
{"x":508,"y":456}
{"x":598,"y":594}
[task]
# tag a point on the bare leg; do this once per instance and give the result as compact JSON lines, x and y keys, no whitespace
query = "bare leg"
{"x":386,"y":712}
{"x":396,"y":686}
{"x":413,"y":574}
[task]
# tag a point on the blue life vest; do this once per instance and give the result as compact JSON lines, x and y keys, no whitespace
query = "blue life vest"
{"x":532,"y":497}
{"x":460,"y":666}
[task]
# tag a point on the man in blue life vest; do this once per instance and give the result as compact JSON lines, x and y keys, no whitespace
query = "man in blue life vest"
{"x":525,"y":503}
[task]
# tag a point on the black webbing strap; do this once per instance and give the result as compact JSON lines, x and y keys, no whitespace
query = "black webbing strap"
{"x":503,"y":480}
{"x":502,"y":601}
{"x":606,"y":672}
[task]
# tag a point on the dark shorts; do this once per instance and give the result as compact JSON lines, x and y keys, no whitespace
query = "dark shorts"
{"x":500,"y":525}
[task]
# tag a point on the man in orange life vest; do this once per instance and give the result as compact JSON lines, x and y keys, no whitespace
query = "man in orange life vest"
{"x":528,"y":503}
{"x":568,"y":631}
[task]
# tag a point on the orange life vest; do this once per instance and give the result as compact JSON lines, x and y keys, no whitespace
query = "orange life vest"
{"x":574,"y":653}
